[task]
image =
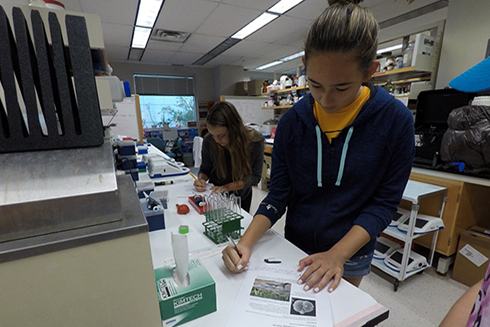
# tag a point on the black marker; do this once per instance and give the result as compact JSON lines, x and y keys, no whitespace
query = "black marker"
{"x":272,"y":260}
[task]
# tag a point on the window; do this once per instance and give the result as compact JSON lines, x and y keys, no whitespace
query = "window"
{"x":166,"y":100}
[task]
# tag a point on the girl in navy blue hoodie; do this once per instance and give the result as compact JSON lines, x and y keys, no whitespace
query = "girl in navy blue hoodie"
{"x":342,"y":156}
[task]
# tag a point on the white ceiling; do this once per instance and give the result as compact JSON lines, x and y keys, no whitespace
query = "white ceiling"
{"x":210,"y":22}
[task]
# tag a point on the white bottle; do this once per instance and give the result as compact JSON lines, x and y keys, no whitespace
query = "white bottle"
{"x":302,"y":80}
{"x":408,"y":55}
{"x":270,"y":102}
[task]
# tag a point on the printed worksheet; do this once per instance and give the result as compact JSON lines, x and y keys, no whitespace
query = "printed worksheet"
{"x":271,"y":297}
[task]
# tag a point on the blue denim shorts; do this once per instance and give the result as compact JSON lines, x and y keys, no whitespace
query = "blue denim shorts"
{"x":358,"y":266}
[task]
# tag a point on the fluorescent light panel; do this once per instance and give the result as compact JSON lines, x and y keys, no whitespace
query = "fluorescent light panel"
{"x":395,"y":47}
{"x":284,"y":5}
{"x":148,"y":12}
{"x":293,"y":56}
{"x":140,"y":37}
{"x":281,"y":61}
{"x":254,"y":25}
{"x":274,"y":63}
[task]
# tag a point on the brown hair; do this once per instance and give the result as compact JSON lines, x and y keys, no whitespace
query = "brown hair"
{"x":224,"y":114}
{"x":345,"y":27}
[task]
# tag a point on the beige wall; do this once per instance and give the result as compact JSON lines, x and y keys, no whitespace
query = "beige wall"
{"x":465,"y":38}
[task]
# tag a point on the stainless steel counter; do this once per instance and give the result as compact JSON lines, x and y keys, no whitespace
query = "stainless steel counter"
{"x":132,"y":222}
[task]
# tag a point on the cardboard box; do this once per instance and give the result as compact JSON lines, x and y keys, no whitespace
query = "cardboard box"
{"x":184,"y":304}
{"x":241,"y":88}
{"x":255,"y":87}
{"x":472,"y":257}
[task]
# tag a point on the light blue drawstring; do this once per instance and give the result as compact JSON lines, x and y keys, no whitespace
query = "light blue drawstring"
{"x":319,"y":156}
{"x":344,"y":154}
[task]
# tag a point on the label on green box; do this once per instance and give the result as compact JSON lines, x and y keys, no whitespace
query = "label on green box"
{"x":185,"y":303}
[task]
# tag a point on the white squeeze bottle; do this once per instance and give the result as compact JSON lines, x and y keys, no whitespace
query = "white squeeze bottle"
{"x":302,"y":80}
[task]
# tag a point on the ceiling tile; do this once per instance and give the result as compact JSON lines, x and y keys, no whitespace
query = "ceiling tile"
{"x":157,"y":56}
{"x":280,"y":28}
{"x":226,"y":20}
{"x":185,"y":58}
{"x":309,"y":9}
{"x":212,"y":21}
{"x":294,"y":39}
{"x":248,"y":63}
{"x":163,"y":46}
{"x":184,"y":15}
{"x":112,"y":11}
{"x":246,"y":48}
{"x":252,"y":4}
{"x":274,"y":52}
{"x":222,"y":60}
{"x":198,"y":43}
{"x":116,"y":34}
{"x":117,"y":54}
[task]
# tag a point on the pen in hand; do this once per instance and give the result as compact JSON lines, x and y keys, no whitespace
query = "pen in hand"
{"x":195,"y":178}
{"x":232,"y":243}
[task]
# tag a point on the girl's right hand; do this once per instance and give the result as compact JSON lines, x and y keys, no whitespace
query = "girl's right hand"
{"x":200,"y":186}
{"x":233,"y":261}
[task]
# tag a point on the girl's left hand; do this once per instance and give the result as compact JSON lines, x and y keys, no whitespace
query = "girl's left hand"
{"x":219,"y":189}
{"x":322,"y":267}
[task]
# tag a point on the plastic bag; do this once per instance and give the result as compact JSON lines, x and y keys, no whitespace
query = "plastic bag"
{"x":468,"y":137}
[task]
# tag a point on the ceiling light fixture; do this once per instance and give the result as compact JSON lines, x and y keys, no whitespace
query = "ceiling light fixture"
{"x":284,"y":5}
{"x":148,"y":11}
{"x":140,"y":37}
{"x":395,"y":47}
{"x":220,"y":48}
{"x":254,"y":25}
{"x":281,"y":61}
{"x":294,"y":56}
{"x":274,"y":63}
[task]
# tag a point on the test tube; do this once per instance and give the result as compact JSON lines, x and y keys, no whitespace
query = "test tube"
{"x":239,"y":205}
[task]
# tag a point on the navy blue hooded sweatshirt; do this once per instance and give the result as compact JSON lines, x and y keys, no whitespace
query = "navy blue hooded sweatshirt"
{"x":327,"y":188}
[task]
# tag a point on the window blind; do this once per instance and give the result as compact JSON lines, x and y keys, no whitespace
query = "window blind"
{"x":163,"y":85}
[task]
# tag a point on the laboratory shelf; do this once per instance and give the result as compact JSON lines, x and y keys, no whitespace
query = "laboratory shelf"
{"x":279,"y":107}
{"x":413,"y":193}
{"x":402,"y":235}
{"x":291,"y":89}
{"x":399,"y":234}
{"x":379,"y":263}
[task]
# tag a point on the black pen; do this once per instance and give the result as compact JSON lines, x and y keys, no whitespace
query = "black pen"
{"x":232,"y":243}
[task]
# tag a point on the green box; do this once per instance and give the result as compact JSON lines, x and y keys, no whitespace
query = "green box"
{"x":185,"y":303}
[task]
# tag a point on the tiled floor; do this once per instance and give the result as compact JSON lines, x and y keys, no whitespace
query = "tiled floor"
{"x":421,"y":300}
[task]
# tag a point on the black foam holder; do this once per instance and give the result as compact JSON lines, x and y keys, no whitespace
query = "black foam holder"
{"x":50,"y":92}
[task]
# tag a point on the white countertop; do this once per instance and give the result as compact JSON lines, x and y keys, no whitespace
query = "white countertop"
{"x":350,"y":305}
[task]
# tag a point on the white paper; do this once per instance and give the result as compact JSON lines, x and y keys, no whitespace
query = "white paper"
{"x":181,"y":256}
{"x":473,"y":255}
{"x":270,"y":296}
